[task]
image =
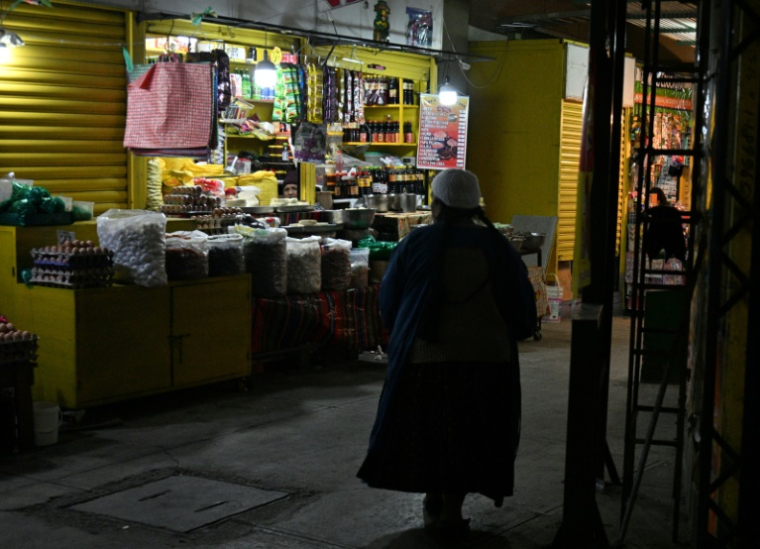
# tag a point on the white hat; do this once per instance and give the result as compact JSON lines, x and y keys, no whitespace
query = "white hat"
{"x":457,"y":189}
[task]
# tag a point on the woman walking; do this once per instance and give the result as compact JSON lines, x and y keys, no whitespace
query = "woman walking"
{"x":456,"y":298}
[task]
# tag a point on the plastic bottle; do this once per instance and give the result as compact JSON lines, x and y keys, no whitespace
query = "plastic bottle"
{"x":246,"y":83}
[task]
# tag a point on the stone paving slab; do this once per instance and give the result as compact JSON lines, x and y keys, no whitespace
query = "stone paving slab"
{"x":180,"y":503}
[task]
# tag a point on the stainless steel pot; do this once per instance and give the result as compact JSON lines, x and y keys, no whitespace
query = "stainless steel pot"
{"x":394,"y":203}
{"x":408,"y":202}
{"x":377,"y":201}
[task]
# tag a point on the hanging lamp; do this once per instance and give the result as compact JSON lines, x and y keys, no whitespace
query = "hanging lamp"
{"x":265,"y":74}
{"x":447,"y":94}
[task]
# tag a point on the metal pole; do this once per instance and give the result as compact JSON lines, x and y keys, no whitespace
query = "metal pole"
{"x":719,"y":143}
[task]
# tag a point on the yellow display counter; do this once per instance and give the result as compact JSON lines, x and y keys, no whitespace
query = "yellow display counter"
{"x":100,"y":345}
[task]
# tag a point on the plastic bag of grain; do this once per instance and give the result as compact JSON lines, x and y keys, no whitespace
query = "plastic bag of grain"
{"x":187,"y":255}
{"x":266,"y":259}
{"x":225,"y":255}
{"x":304,"y":265}
{"x":138,"y":240}
{"x":336,"y":264}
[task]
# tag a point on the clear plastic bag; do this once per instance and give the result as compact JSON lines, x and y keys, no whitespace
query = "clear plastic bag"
{"x":225,"y":255}
{"x":336,"y":264}
{"x":138,"y":240}
{"x":266,"y":259}
{"x":359,"y":267}
{"x":186,"y":255}
{"x":304,"y":265}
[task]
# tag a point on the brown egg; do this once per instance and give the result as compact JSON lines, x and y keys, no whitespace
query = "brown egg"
{"x":10,"y":327}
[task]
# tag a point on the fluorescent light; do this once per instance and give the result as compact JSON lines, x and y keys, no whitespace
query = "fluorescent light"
{"x":447,"y":94}
{"x":265,"y":74}
{"x":5,"y":54}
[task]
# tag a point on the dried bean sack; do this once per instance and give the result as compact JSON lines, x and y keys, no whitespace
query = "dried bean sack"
{"x":266,"y":260}
{"x":336,"y":264}
{"x":137,"y":238}
{"x":225,"y":255}
{"x":187,"y":255}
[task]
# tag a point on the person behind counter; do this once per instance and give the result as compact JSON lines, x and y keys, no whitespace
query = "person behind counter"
{"x":664,"y":228}
{"x":290,"y":185}
{"x":456,"y":298}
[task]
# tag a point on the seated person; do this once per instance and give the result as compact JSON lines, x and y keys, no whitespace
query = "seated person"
{"x":289,"y":188}
{"x":664,"y":229}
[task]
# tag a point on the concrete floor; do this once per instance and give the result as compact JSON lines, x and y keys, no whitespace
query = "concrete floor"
{"x":304,"y":433}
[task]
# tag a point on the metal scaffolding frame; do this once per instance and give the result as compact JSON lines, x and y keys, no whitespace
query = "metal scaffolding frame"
{"x":735,"y":211}
{"x":654,"y":72}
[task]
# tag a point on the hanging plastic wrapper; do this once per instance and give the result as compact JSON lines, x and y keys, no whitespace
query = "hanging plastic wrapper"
{"x":310,"y":143}
{"x":419,"y":29}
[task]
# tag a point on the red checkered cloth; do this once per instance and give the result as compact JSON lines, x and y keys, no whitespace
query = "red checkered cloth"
{"x":170,"y":107}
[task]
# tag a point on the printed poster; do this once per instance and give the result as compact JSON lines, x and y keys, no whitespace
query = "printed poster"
{"x":442,"y":133}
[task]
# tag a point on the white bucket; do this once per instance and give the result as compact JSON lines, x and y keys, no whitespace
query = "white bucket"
{"x":47,"y":419}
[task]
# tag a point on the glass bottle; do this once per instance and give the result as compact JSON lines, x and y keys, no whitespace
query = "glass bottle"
{"x":393,"y":92}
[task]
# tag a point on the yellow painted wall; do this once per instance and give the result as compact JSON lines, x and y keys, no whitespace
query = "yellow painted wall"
{"x":515,"y":123}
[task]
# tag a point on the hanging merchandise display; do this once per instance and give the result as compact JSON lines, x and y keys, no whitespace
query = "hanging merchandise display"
{"x":672,"y":130}
{"x":170,"y":111}
{"x":419,"y":29}
{"x":315,"y":91}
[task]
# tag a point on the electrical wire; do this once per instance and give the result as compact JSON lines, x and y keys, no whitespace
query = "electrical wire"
{"x":464,"y":75}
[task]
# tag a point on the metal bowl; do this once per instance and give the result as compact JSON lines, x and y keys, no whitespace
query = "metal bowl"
{"x":533,"y":241}
{"x":352,"y":218}
{"x":516,"y":243}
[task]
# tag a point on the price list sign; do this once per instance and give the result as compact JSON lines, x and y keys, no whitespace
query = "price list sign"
{"x":442,"y":134}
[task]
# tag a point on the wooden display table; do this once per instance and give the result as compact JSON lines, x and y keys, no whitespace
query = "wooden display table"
{"x":100,"y":345}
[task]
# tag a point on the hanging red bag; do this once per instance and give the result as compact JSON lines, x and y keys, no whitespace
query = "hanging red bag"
{"x":170,"y":107}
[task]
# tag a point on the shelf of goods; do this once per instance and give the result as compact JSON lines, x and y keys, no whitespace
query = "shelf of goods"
{"x":99,"y":345}
{"x":396,"y":113}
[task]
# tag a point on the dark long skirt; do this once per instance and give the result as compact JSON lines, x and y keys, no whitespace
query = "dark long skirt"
{"x":452,"y":427}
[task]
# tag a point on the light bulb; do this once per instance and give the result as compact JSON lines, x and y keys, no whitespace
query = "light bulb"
{"x":265,"y":74}
{"x":447,"y":95}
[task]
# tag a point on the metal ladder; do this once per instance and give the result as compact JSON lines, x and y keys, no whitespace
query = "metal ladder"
{"x":654,"y":72}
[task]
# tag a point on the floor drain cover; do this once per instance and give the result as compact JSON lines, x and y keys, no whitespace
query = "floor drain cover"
{"x":181,"y":503}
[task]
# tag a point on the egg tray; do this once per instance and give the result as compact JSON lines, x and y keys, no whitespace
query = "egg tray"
{"x":84,"y":278}
{"x":18,"y":352}
{"x":43,"y":258}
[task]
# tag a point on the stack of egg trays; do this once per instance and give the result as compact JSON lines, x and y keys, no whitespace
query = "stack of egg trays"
{"x":73,"y":268}
{"x":18,"y":352}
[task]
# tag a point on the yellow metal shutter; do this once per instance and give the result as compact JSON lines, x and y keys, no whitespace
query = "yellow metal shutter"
{"x":570,"y":154}
{"x":63,"y":102}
